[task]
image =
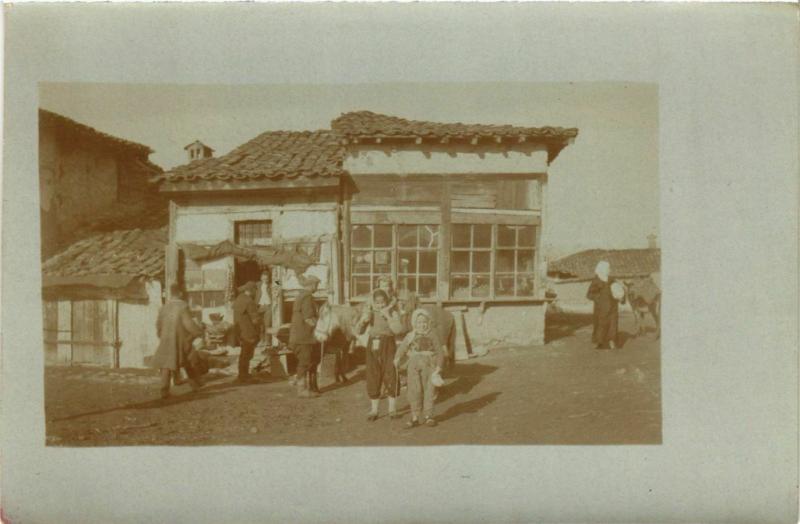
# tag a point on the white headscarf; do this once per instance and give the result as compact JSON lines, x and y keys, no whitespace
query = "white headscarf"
{"x":602,"y":270}
{"x":424,"y":313}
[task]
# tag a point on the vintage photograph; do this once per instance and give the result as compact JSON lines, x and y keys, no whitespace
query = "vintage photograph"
{"x":347,"y":265}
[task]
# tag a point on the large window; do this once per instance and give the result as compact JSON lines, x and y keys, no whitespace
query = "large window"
{"x":492,"y":261}
{"x":205,"y":287}
{"x":406,"y":253}
{"x":254,"y":233}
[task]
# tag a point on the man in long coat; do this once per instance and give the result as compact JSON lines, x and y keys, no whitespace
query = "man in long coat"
{"x":176,"y":329}
{"x":301,"y":333}
{"x":606,"y":308}
{"x":248,"y":325}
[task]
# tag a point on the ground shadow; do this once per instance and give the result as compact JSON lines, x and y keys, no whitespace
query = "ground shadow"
{"x":561,"y":325}
{"x":351,"y":379}
{"x":469,"y":376}
{"x":469,"y":406}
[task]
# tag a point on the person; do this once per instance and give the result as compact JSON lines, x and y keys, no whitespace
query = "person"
{"x":384,"y":325}
{"x":385,"y":283}
{"x":605,"y":315}
{"x":176,"y":330}
{"x":426,"y":355}
{"x":246,"y":319}
{"x":301,"y":335}
{"x":264,"y":303}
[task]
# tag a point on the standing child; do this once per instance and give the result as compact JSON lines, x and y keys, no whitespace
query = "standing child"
{"x":383,"y":322}
{"x":426,"y":355}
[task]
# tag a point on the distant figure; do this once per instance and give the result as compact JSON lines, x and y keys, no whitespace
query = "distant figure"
{"x":301,"y":336}
{"x":176,"y":329}
{"x":606,"y":308}
{"x":247,"y":321}
{"x":264,"y":302}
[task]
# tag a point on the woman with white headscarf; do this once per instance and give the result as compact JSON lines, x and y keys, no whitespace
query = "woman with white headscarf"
{"x":606,"y":310}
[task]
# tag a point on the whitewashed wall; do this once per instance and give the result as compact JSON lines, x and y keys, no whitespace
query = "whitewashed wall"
{"x":137,"y":328}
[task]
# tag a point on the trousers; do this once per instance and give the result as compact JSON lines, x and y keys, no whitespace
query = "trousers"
{"x":248,"y":349}
{"x":421,"y":392}
{"x":380,"y":368}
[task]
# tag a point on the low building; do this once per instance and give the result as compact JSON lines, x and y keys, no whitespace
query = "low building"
{"x":570,"y":276}
{"x":452,"y":212}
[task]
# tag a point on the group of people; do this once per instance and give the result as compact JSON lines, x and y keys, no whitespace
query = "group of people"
{"x":382,"y":320}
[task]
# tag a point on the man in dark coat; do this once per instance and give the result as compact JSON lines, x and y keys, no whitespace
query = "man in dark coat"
{"x":606,"y":308}
{"x":176,"y":329}
{"x":301,"y":333}
{"x":247,"y":321}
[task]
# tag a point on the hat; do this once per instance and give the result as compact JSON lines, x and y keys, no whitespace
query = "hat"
{"x":250,"y":286}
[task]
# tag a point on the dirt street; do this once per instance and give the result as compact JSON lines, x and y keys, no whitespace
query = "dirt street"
{"x":561,"y":393}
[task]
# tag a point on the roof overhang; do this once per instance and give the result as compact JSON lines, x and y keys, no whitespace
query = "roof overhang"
{"x":264,"y":184}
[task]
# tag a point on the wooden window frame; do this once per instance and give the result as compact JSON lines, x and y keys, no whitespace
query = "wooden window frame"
{"x":237,"y":235}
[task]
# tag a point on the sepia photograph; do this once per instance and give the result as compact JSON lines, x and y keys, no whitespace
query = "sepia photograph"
{"x":394,"y":264}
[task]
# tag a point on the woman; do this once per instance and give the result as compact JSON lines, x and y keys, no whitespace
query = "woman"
{"x":384,"y":325}
{"x":606,"y":310}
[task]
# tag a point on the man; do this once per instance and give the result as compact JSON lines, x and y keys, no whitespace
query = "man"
{"x":176,"y":329}
{"x":264,"y":303}
{"x":301,"y":333}
{"x":247,"y":321}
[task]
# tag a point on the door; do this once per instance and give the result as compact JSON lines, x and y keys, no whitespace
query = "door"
{"x":94,"y":332}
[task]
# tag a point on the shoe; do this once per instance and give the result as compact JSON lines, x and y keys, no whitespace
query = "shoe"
{"x":412,"y":423}
{"x":372,"y":417}
{"x":430,"y":422}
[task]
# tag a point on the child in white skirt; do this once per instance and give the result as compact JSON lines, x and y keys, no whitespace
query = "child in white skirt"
{"x":426,"y":355}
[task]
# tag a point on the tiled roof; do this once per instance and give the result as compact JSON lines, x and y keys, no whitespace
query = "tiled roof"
{"x":271,"y":155}
{"x":624,"y":263}
{"x":49,"y":118}
{"x":126,"y":252}
{"x":368,"y":124}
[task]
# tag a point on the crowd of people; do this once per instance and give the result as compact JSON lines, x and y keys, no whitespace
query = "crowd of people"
{"x":397,"y":338}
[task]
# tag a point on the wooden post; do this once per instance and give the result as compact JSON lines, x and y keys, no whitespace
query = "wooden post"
{"x":171,"y":257}
{"x":444,"y":242}
{"x":346,"y":245}
{"x":277,"y":303}
{"x":541,"y":273}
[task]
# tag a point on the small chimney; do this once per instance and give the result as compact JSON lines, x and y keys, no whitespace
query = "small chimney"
{"x":198,"y":150}
{"x":652,"y":241}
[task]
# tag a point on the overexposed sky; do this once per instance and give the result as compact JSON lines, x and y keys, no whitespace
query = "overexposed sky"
{"x":603,"y":189}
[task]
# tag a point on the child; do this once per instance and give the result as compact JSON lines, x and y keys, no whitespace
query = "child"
{"x":425,"y":360}
{"x":384,"y":324}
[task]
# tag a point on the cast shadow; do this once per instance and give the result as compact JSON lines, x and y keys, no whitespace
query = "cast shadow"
{"x":469,"y":406}
{"x":469,"y":376}
{"x":561,"y":325}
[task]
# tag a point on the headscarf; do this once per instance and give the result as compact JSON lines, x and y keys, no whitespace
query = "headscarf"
{"x":602,"y":270}
{"x":417,"y":313}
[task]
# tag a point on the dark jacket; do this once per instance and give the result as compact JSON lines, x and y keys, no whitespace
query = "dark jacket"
{"x":176,"y":329}
{"x":600,"y":293}
{"x":246,"y":318}
{"x":304,"y":309}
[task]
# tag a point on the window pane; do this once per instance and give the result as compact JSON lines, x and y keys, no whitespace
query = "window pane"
{"x":407,"y":261}
{"x":527,"y":236}
{"x":407,"y":283}
{"x":361,"y":261}
{"x":524,"y":261}
{"x":461,"y":235}
{"x":480,"y":286}
{"x":195,"y":298}
{"x":505,"y":261}
{"x":383,"y":261}
{"x":427,"y":287}
{"x":361,"y":286}
{"x":480,"y":261}
{"x":506,"y":236}
{"x":460,"y":261}
{"x":257,"y":233}
{"x":459,"y":287}
{"x":504,"y":286}
{"x":215,"y":279}
{"x":427,"y":262}
{"x":193,"y":280}
{"x":429,"y":236}
{"x":525,"y":285}
{"x":482,"y":235}
{"x":362,"y":236}
{"x":383,"y":236}
{"x":213,"y":298}
{"x":375,"y":280}
{"x":407,"y":236}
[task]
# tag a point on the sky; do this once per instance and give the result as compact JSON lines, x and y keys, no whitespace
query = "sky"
{"x":603,"y":189}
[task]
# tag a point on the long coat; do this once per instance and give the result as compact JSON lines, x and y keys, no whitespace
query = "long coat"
{"x":176,"y":329}
{"x":606,"y":311}
{"x":303,"y":309}
{"x":246,"y":318}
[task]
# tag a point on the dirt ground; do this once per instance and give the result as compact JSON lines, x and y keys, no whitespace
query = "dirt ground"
{"x":561,"y":393}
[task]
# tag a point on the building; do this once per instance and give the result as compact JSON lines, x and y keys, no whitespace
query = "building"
{"x":84,"y":172}
{"x":570,"y":276}
{"x":104,"y":237}
{"x":452,"y":212}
